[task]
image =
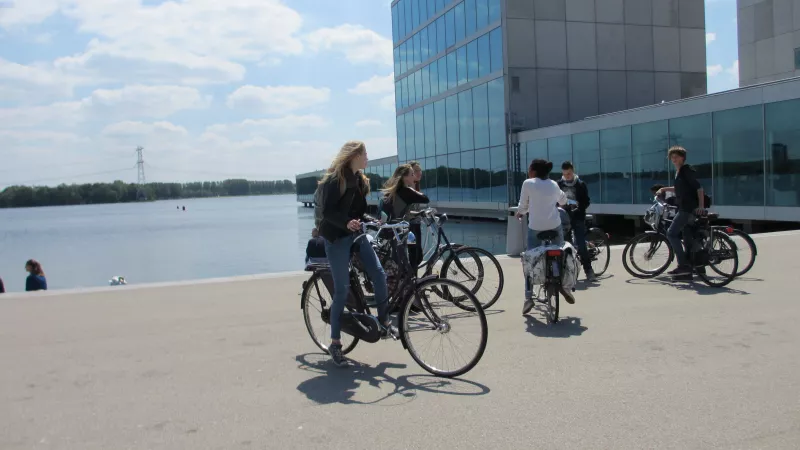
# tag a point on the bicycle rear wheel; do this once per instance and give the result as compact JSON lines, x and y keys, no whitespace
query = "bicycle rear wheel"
{"x":723,"y":261}
{"x":747,"y":250}
{"x":599,"y":250}
{"x":481,"y":274}
{"x":316,"y":302}
{"x":438,"y":323}
{"x":553,"y":304}
{"x":647,"y":255}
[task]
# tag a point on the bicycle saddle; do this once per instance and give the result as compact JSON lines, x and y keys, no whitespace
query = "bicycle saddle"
{"x":548,"y":235}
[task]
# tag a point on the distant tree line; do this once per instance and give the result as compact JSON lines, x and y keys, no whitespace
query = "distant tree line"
{"x":120,"y":192}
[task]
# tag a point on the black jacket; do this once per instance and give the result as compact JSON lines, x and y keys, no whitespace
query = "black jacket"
{"x":580,"y":193}
{"x":339,"y":209}
{"x":686,"y":187}
{"x":402,"y":202}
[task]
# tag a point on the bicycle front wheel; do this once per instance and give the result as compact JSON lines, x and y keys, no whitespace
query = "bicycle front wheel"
{"x":647,"y":255}
{"x":479,"y":271}
{"x":747,"y":250}
{"x":599,"y":250}
{"x":444,"y":338}
{"x":723,"y":261}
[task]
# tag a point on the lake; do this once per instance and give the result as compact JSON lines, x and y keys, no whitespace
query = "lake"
{"x":84,"y":246}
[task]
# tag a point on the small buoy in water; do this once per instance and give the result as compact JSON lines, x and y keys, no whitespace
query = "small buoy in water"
{"x":117,"y":281}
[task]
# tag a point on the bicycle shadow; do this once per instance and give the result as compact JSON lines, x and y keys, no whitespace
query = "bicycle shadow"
{"x":362,"y":384}
{"x":565,"y":327}
{"x":695,"y":285}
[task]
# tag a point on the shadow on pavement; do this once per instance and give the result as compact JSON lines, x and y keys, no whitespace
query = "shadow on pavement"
{"x":564,"y":328}
{"x":362,"y":384}
{"x":696,"y":286}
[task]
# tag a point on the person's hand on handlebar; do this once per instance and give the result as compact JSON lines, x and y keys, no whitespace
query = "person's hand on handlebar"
{"x":354,"y":225}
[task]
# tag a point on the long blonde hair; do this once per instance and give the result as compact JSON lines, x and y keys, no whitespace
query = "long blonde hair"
{"x":349,"y":151}
{"x":394,"y":183}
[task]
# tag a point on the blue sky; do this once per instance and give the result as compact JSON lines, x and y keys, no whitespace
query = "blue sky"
{"x":254,"y":88}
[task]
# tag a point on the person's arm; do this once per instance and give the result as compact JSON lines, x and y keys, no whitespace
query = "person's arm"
{"x":410,"y":196}
{"x":665,"y":189}
{"x":29,"y":284}
{"x":691,"y":178}
{"x":330,"y":211}
{"x":308,"y":251}
{"x":524,"y":199}
{"x":584,"y":201}
{"x":562,"y":198}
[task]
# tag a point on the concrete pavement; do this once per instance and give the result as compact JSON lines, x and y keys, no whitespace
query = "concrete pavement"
{"x":228,"y":365}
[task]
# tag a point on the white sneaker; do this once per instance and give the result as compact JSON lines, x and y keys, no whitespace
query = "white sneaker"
{"x":527,"y":307}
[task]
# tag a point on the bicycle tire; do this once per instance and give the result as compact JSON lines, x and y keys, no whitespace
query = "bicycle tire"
{"x":597,"y":235}
{"x":483,"y":259}
{"x":639,"y":272}
{"x":753,"y":252}
{"x":419,"y":294}
{"x":727,"y":277}
{"x":552,"y":310}
{"x":305,"y":306}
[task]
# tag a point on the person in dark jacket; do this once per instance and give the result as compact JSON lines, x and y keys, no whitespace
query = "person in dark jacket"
{"x":344,"y":208}
{"x":577,"y":191}
{"x":2,"y":287}
{"x":36,"y":280}
{"x":399,"y":197}
{"x":690,"y":199}
{"x":315,"y":249}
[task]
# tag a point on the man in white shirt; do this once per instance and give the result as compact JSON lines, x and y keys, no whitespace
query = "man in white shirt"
{"x":539,"y":198}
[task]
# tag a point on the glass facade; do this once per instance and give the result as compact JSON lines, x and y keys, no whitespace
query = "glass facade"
{"x":783,"y":153}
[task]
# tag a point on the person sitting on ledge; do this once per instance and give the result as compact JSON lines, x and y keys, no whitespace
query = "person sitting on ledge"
{"x":315,"y":250}
{"x":36,"y":280}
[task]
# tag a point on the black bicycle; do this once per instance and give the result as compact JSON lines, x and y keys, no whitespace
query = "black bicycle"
{"x":597,"y":245}
{"x":548,"y":292}
{"x":425,"y":323}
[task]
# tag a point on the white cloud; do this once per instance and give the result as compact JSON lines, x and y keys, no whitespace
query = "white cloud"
{"x":714,"y":70}
{"x":26,"y":12}
{"x":710,"y":37}
{"x":733,"y":71}
{"x":277,"y":99}
{"x":359,"y":44}
{"x":388,"y":103}
{"x":130,"y":129}
{"x":29,"y":83}
{"x":375,"y":85}
{"x":279,"y":125}
{"x":368,"y":123}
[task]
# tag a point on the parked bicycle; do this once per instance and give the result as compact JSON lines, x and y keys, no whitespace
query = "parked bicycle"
{"x":597,"y":245}
{"x":711,"y":248}
{"x":423,"y":321}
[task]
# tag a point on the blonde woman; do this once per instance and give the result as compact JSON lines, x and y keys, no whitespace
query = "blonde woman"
{"x":344,"y":208}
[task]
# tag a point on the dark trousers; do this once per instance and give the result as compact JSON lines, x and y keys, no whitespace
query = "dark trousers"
{"x":680,"y":226}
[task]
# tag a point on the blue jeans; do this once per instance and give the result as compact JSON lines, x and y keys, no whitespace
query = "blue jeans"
{"x":679,"y":227}
{"x":533,"y":242}
{"x":339,"y":258}
{"x":579,"y":230}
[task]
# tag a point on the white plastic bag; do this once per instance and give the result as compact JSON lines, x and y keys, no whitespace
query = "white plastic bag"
{"x":533,"y":264}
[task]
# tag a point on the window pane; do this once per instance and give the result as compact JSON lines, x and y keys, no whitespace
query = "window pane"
{"x":408,"y":91}
{"x":650,"y":141}
{"x":482,"y":12}
{"x":796,"y":54}
{"x":499,"y":158}
{"x":454,"y":177}
{"x":429,"y":175}
{"x":411,"y":152}
{"x":441,"y":178}
{"x":586,"y":158}
{"x":401,"y":20}
{"x":431,"y":8}
{"x":417,"y":51}
{"x":401,"y":139}
{"x":465,"y":118}
{"x":738,"y":157}
{"x":441,"y":127}
{"x":441,"y":35}
{"x":430,"y":131}
{"x":481,"y":115}
{"x":469,"y":15}
{"x":460,"y":23}
{"x":425,"y":49}
{"x":432,"y":50}
{"x":534,"y":150}
{"x":694,"y":134}
{"x":394,"y":24}
{"x":397,"y":95}
{"x":402,"y":58}
{"x":442,"y":74}
{"x":415,"y":10}
{"x":483,"y":170}
{"x":440,"y":4}
{"x":484,"y":56}
{"x":615,"y":151}
{"x":461,"y":59}
{"x":409,"y":17}
{"x":783,"y":155}
{"x":425,"y":73}
{"x":472,"y":61}
{"x":452,"y":71}
{"x":433,"y":68}
{"x":417,"y":86}
{"x":494,"y":10}
{"x":559,"y":150}
{"x":419,"y":133}
{"x":396,"y":58}
{"x":468,"y":193}
{"x":497,"y":112}
{"x":453,"y":130}
{"x":450,"y":27}
{"x":496,"y":42}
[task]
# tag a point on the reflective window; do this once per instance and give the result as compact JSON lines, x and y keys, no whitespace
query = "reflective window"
{"x":433,"y":69}
{"x":499,"y":158}
{"x":401,"y":139}
{"x":480,"y":104}
{"x":430,"y":131}
{"x":441,"y":127}
{"x":586,"y":158}
{"x":496,"y":44}
{"x":497,"y":112}
{"x":482,"y":7}
{"x":419,"y":133}
{"x":417,"y":50}
{"x":454,"y":177}
{"x":442,"y":74}
{"x":615,"y":151}
{"x":440,"y":4}
{"x":432,"y":47}
{"x":425,"y":49}
{"x":470,"y":17}
{"x":407,"y":92}
{"x":441,"y":35}
{"x":694,"y":134}
{"x":411,"y":151}
{"x":473,"y":68}
{"x":494,"y":10}
{"x":415,"y":13}
{"x":559,"y":150}
{"x":650,"y":165}
{"x":484,"y":56}
{"x":397,"y":95}
{"x":465,"y":119}
{"x":460,"y":23}
{"x":461,"y":60}
{"x":395,"y":34}
{"x":441,"y":176}
{"x":401,"y":20}
{"x":453,"y":131}
{"x":409,"y":17}
{"x":417,"y":87}
{"x":738,"y":157}
{"x":483,"y":171}
{"x":396,"y":58}
{"x":450,"y":27}
{"x":431,"y":8}
{"x":783,"y":153}
{"x":401,"y":50}
{"x":452,"y":70}
{"x":797,"y":55}
{"x":425,"y":73}
{"x":429,"y":177}
{"x":468,"y":193}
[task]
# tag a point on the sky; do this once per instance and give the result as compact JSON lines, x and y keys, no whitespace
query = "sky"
{"x":259,"y":89}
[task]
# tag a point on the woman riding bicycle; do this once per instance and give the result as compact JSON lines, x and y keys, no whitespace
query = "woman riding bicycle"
{"x":539,"y":198}
{"x":344,"y":207}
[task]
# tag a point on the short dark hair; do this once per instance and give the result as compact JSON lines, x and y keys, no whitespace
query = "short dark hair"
{"x":677,"y":150}
{"x":656,"y":187}
{"x":567,"y":165}
{"x":541,"y":167}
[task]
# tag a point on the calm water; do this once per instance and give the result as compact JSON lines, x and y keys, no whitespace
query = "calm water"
{"x":84,"y":246}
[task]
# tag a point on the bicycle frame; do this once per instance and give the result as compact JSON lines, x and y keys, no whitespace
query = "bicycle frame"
{"x":439,"y":249}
